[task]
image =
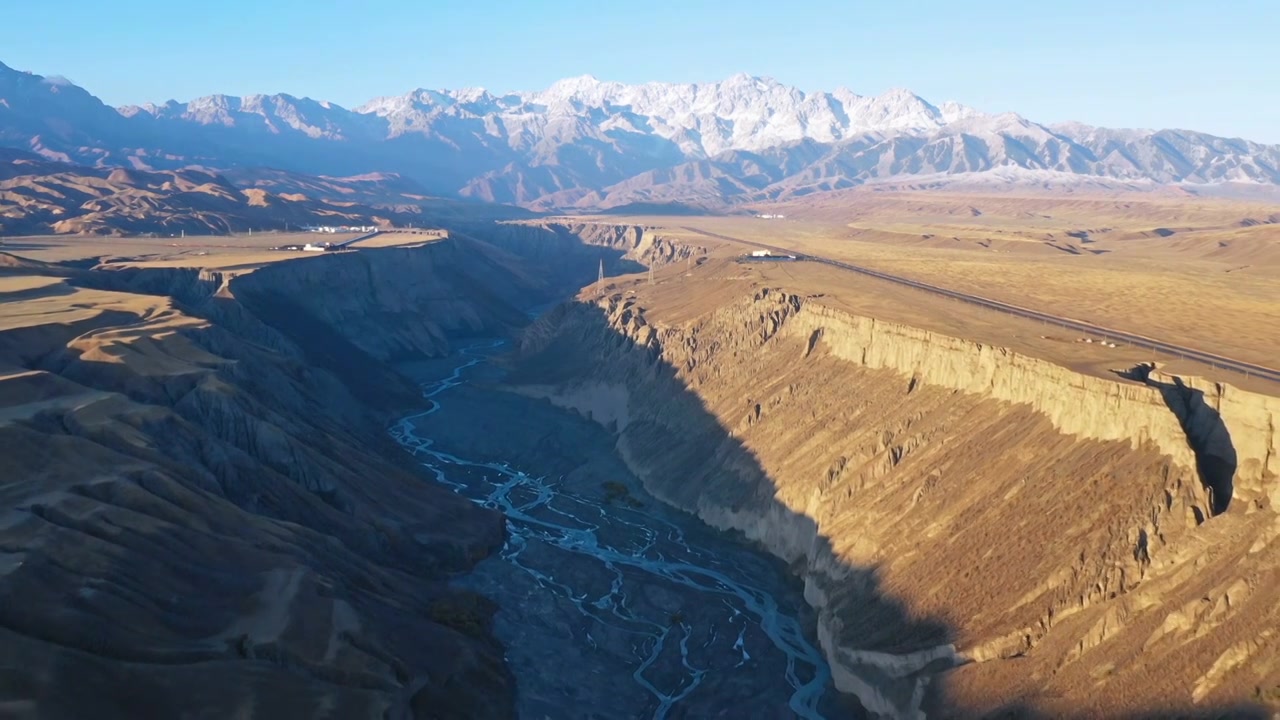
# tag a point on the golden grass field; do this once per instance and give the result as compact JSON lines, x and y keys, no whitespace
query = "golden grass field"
{"x":1194,"y":272}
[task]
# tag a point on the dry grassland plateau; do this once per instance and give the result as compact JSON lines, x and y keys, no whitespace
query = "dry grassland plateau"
{"x":1200,"y":273}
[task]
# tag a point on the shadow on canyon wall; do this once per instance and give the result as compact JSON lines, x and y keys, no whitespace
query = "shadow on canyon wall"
{"x":1209,"y":437}
{"x":218,"y":522}
{"x":562,"y":259}
{"x":231,"y":529}
{"x":688,"y":458}
{"x":218,"y":511}
{"x":1207,"y":434}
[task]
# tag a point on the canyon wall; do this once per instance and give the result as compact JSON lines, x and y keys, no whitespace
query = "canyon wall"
{"x":399,"y":303}
{"x":573,"y":250}
{"x":403,"y":303}
{"x":636,"y":242}
{"x":199,"y":462}
{"x":952,"y":503}
{"x":203,"y":508}
{"x":199,"y":459}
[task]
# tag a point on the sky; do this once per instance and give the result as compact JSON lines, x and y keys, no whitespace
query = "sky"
{"x":1209,"y":66}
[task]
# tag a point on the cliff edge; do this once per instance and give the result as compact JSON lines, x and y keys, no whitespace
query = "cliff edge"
{"x":953,"y":505}
{"x":202,"y":506}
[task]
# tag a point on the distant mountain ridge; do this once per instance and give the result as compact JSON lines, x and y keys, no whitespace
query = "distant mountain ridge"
{"x":39,"y":195}
{"x":589,"y":144}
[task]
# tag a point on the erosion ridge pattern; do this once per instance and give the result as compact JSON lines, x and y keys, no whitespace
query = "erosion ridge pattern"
{"x":1046,"y":525}
{"x":197,"y":460}
{"x":202,"y":506}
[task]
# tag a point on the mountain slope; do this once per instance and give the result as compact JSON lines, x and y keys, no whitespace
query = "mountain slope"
{"x":584,"y":143}
{"x":39,"y":196}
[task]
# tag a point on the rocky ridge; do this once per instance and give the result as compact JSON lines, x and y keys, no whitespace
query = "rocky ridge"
{"x":42,"y":196}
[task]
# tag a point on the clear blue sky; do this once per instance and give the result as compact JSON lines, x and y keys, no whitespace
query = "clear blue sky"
{"x":1210,"y":65}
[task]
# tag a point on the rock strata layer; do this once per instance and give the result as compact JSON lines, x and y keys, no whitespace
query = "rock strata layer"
{"x":954,"y":504}
{"x":202,"y":509}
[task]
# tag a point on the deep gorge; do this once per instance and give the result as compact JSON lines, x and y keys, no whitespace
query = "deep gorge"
{"x":946,"y":502}
{"x":976,"y":531}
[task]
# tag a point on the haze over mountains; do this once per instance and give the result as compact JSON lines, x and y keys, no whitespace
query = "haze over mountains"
{"x":40,"y":196}
{"x":588,"y":144}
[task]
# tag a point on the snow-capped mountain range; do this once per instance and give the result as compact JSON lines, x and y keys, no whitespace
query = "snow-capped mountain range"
{"x":702,"y":120}
{"x":586,"y":143}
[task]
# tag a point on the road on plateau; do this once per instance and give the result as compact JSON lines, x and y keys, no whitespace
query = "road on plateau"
{"x":1211,"y":359}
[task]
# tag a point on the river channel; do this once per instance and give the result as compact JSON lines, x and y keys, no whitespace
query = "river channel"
{"x":621,"y":607}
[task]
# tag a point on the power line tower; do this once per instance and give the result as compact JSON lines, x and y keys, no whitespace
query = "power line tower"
{"x":650,"y":274}
{"x":600,"y":277}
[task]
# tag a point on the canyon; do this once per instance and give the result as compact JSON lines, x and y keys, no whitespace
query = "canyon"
{"x":203,"y":510}
{"x":212,"y":464}
{"x":1034,"y":524}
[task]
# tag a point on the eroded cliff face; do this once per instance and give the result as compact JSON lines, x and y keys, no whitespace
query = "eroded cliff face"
{"x":572,"y":251}
{"x":950,"y":502}
{"x":199,"y":459}
{"x":402,"y":303}
{"x":638,"y":243}
{"x":202,"y":508}
{"x":397,"y":303}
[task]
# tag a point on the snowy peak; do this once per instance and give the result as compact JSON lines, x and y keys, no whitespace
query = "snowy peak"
{"x":742,"y":112}
{"x":276,"y":114}
{"x":952,"y":111}
{"x":475,"y":101}
{"x":896,"y":109}
{"x":587,"y":142}
{"x":585,"y":89}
